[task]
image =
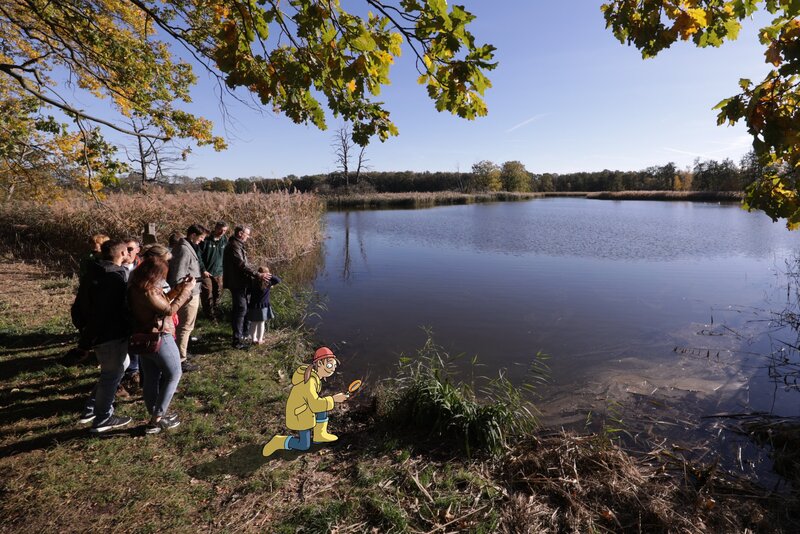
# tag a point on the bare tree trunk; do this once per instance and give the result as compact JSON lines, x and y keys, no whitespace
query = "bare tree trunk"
{"x":142,"y":161}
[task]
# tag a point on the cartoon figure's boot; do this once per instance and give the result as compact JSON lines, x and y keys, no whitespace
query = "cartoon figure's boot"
{"x":277,"y":443}
{"x":321,"y":434}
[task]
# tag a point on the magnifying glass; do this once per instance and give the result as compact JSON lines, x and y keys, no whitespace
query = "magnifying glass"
{"x":354,"y":386}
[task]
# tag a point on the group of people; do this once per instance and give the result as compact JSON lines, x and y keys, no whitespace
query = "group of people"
{"x":132,"y":296}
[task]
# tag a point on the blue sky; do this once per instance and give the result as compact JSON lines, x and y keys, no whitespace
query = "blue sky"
{"x":566,"y":97}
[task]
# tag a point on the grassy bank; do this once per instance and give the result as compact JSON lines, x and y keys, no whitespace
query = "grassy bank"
{"x":285,"y":226}
{"x":427,"y":200}
{"x":419,"y":200}
{"x":387,"y":473}
{"x":697,"y":196}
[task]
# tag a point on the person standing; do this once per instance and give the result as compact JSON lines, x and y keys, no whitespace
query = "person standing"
{"x":83,"y":351}
{"x":211,"y":252}
{"x":152,"y":312}
{"x":238,"y":275}
{"x":130,"y":383}
{"x":185,"y":263}
{"x":108,"y":326}
{"x":259,"y":310}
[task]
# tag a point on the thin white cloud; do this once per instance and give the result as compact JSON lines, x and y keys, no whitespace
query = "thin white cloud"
{"x":736,"y":145}
{"x":527,"y":121}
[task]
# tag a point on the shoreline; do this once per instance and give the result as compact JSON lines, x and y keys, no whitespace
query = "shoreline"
{"x":209,"y":475}
{"x":416,"y":200}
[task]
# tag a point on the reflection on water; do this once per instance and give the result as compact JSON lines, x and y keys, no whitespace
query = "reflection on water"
{"x":625,"y":296}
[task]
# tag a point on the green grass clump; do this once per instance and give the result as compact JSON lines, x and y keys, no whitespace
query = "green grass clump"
{"x":426,"y":395}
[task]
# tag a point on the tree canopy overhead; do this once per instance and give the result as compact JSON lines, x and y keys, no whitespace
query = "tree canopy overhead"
{"x":296,"y":56}
{"x":770,"y":108}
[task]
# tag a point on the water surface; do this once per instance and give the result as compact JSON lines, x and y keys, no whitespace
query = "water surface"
{"x":626,"y":297}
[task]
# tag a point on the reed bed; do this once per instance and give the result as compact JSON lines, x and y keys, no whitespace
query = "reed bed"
{"x":569,"y":483}
{"x":698,"y":196}
{"x":420,"y":200}
{"x":285,"y":225}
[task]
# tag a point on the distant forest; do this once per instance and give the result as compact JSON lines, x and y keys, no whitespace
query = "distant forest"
{"x":486,"y":176}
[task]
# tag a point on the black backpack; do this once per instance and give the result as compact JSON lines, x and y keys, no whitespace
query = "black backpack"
{"x":81,"y":307}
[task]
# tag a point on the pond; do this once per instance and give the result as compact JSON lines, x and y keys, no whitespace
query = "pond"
{"x":628,"y":299}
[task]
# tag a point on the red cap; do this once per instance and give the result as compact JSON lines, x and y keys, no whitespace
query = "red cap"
{"x":322,"y":353}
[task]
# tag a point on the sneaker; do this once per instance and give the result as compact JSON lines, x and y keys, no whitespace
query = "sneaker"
{"x":170,"y":423}
{"x":87,"y":416}
{"x":110,"y":424}
{"x":152,"y":428}
{"x":170,"y":417}
{"x":167,"y":422}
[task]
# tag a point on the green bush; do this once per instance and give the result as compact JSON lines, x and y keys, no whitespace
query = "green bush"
{"x":426,"y":395}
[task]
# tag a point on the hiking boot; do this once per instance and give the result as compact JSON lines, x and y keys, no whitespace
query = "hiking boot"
{"x":122,"y":393}
{"x":187,"y":367}
{"x":110,"y":424}
{"x":87,"y":416}
{"x":132,"y":383}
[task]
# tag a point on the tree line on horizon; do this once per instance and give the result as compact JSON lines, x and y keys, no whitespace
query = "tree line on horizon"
{"x":487,"y":176}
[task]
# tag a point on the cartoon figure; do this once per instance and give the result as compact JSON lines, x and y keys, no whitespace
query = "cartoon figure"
{"x":305,"y":409}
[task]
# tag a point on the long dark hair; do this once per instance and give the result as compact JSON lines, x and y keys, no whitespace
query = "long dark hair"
{"x":150,"y":273}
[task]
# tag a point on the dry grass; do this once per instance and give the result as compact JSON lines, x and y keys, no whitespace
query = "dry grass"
{"x":26,"y":286}
{"x":586,"y":484}
{"x":420,"y":200}
{"x":285,"y":225}
{"x":701,"y":196}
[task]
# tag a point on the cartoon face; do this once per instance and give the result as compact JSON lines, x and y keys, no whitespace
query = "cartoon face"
{"x":326,"y":367}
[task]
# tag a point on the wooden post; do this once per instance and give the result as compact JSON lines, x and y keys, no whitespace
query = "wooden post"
{"x":149,"y":234}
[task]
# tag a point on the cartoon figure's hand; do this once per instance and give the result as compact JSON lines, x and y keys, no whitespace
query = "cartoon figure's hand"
{"x":340,"y":398}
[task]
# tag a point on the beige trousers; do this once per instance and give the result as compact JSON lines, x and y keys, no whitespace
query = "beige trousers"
{"x":187,"y":316}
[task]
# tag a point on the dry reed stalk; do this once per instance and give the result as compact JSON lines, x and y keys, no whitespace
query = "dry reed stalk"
{"x":589,"y":485}
{"x":703,"y":196}
{"x":285,"y":225}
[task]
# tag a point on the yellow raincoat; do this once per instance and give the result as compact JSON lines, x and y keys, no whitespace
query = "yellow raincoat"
{"x":304,"y":401}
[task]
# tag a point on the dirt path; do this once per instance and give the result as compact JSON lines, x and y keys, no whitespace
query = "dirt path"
{"x":31,"y":296}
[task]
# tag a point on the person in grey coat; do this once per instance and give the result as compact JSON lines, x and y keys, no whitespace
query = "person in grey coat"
{"x":186,"y":263}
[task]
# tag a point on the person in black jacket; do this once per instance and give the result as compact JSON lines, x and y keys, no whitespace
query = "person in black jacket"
{"x":107,"y":323}
{"x":238,"y":274}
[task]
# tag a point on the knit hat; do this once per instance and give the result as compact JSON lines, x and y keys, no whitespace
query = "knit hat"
{"x":322,"y":353}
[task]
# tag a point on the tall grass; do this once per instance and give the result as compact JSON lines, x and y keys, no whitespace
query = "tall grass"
{"x":285,"y":225}
{"x":419,"y":200}
{"x":702,"y":196}
{"x":427,"y":398}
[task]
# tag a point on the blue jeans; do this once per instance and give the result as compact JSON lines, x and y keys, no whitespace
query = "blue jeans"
{"x":160,"y":374}
{"x":113,"y":358}
{"x":303,"y":441}
{"x":134,"y":365}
